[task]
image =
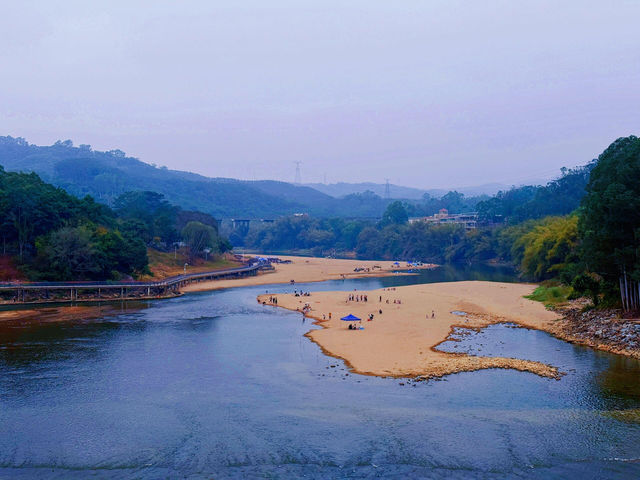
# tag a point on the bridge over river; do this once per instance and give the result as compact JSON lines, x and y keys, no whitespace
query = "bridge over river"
{"x":42,"y":292}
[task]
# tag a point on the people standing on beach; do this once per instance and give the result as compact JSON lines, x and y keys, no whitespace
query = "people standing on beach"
{"x":433,"y":314}
{"x":380,"y":299}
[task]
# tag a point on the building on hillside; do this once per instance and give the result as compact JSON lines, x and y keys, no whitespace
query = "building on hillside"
{"x":468,"y":220}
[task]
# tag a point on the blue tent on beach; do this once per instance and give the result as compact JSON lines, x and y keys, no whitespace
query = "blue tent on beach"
{"x":352,"y":318}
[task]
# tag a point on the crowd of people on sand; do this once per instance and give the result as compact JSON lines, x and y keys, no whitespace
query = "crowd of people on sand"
{"x":273,"y":300}
{"x":357,"y":298}
{"x":352,"y":297}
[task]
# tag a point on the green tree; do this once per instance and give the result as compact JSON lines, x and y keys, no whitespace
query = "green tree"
{"x":150,"y":208}
{"x":610,"y":220}
{"x":68,"y":254}
{"x":395,"y":214}
{"x":549,"y":248}
{"x":588,"y":284}
{"x":199,"y":236}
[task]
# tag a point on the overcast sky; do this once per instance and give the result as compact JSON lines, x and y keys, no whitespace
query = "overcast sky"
{"x":427,"y":94}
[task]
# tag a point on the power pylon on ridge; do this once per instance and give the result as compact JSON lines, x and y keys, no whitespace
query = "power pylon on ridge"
{"x":298,"y":179}
{"x":387,"y":189}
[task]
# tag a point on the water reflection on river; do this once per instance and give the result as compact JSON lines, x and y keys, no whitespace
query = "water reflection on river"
{"x":213,"y":384}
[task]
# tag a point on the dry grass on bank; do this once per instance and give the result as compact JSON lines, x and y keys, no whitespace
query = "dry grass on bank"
{"x":168,"y":264}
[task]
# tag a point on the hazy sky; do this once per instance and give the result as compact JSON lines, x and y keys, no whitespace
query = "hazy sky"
{"x":425,"y":93}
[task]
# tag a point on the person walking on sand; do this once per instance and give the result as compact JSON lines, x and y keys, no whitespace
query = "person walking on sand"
{"x":433,"y":314}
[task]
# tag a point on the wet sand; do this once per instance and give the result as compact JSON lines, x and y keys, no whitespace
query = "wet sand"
{"x":50,"y":314}
{"x":402,"y":341}
{"x":305,"y":270}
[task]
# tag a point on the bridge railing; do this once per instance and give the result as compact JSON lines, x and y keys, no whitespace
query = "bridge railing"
{"x":167,"y":282}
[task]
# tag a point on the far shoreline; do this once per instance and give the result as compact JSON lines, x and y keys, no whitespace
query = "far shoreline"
{"x":312,"y":270}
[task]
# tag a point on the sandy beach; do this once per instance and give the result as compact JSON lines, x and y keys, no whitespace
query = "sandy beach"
{"x":304,"y":270}
{"x":401,"y":341}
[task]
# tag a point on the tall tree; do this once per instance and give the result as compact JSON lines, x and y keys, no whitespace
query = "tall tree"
{"x":610,"y":220}
{"x":199,"y":236}
{"x":395,"y":214}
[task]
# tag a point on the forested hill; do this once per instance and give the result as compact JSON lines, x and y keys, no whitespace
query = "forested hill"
{"x":558,"y":197}
{"x":106,"y":175}
{"x":51,"y":235}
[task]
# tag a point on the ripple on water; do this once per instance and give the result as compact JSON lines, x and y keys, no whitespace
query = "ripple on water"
{"x":215,"y":385}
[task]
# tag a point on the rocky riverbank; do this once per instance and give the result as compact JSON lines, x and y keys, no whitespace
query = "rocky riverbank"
{"x":602,"y":329}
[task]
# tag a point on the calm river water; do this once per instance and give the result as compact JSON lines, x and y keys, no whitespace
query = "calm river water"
{"x":213,"y":385}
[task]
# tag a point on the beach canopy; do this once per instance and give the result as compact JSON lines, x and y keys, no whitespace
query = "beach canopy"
{"x":350,"y":318}
{"x":396,"y":263}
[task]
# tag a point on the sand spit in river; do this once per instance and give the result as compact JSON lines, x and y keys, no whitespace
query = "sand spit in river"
{"x":307,"y":269}
{"x":402,"y":340}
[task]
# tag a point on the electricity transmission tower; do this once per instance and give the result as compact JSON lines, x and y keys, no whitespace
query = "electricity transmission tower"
{"x":387,"y":189}
{"x":298,"y":179}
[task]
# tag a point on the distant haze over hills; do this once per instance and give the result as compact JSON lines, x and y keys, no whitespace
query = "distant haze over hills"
{"x":106,"y":175}
{"x":342,"y":189}
{"x":81,"y":171}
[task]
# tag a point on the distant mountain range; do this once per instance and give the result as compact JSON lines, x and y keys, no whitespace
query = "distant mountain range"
{"x":342,"y":189}
{"x":105,"y":175}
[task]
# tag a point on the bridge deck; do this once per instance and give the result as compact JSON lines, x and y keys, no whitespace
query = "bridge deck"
{"x":167,"y":282}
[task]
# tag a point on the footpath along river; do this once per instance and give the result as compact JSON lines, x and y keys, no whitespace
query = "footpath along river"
{"x":214,"y":385}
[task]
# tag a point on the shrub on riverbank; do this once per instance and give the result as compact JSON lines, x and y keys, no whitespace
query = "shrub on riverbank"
{"x":551,"y":294}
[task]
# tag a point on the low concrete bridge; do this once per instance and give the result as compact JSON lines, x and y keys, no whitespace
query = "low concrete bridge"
{"x":39,"y":292}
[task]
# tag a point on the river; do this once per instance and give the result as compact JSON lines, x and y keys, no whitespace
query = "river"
{"x":214,"y":385}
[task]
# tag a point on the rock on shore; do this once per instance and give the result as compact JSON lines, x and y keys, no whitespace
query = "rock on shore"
{"x":604,"y":329}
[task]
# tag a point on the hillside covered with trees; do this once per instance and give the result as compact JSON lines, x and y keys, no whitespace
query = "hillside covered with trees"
{"x":52,"y":235}
{"x":393,"y":237}
{"x":81,"y":171}
{"x":106,"y":175}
